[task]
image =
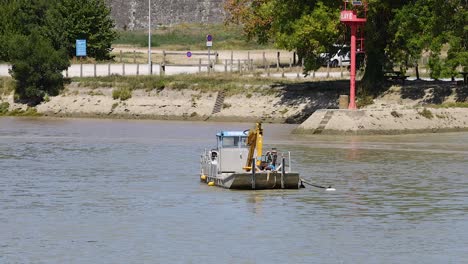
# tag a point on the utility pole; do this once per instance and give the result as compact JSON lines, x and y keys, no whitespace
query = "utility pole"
{"x":150,"y":70}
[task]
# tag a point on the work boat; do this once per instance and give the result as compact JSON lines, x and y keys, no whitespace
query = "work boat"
{"x":238,"y":162}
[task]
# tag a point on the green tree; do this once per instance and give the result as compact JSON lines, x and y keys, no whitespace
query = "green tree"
{"x":308,"y":27}
{"x":377,"y":37}
{"x":82,"y":19}
{"x":20,"y":17}
{"x":38,"y":37}
{"x":397,"y":31}
{"x":37,"y":67}
{"x":431,"y":26}
{"x":62,"y":22}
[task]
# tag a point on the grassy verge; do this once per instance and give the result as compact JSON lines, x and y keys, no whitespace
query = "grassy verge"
{"x":4,"y":111}
{"x":190,"y":36}
{"x":450,"y":105}
{"x":232,"y":84}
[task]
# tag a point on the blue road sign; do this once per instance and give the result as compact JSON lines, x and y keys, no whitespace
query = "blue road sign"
{"x":189,"y":54}
{"x":81,"y":48}
{"x":209,"y":38}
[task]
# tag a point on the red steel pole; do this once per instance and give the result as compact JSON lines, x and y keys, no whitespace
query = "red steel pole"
{"x":352,"y":80}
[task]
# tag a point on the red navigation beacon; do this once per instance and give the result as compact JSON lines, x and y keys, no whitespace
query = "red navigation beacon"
{"x":350,"y":16}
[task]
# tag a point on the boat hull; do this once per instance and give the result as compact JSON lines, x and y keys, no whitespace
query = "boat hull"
{"x":259,"y":181}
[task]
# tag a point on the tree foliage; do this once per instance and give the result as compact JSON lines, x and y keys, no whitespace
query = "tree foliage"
{"x":398,"y":32}
{"x":62,"y":22}
{"x":308,"y":27}
{"x":37,"y":67}
{"x":82,"y":19}
{"x":434,"y":27}
{"x":38,"y":38}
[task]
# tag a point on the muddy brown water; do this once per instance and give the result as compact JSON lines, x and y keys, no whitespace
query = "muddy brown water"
{"x":120,"y":191}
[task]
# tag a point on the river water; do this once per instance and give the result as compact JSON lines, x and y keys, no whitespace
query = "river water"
{"x":121,"y":191}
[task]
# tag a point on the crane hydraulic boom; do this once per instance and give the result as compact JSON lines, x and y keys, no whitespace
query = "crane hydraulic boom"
{"x":255,"y":142}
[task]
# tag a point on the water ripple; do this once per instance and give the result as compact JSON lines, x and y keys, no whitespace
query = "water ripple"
{"x":127,"y":191}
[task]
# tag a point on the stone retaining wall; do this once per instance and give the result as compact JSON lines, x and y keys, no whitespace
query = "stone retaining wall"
{"x":133,"y":14}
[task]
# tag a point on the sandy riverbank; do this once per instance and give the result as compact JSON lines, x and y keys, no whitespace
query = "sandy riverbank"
{"x":406,"y":109}
{"x":385,"y":121}
{"x":413,"y":108}
{"x":291,"y":104}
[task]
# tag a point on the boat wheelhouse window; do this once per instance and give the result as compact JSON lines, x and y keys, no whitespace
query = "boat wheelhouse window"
{"x":233,"y":142}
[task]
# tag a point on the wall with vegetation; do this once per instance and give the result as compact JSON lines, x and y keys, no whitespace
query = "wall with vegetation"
{"x":133,"y":14}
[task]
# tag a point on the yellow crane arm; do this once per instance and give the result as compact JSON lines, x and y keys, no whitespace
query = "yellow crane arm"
{"x":254,"y":141}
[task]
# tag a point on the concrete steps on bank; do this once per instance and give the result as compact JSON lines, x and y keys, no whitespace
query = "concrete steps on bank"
{"x":218,"y":103}
{"x":326,"y":118}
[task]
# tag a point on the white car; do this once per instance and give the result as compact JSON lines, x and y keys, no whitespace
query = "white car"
{"x":340,"y":58}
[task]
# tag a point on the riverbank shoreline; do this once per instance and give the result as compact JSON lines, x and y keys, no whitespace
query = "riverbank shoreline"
{"x":385,"y":121}
{"x":273,"y":102}
{"x":414,"y":108}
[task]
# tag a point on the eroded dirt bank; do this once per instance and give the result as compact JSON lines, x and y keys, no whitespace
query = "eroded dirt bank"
{"x":412,"y":108}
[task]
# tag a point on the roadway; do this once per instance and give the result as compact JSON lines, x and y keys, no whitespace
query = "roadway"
{"x":131,"y":69}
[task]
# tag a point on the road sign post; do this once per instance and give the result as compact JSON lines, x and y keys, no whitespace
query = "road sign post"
{"x":209,"y":44}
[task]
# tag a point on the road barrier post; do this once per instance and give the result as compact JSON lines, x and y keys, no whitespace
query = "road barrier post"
{"x":278,"y":61}
{"x":232,"y":59}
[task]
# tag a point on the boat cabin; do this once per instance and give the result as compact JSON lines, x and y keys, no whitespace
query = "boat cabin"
{"x":231,"y":139}
{"x":232,"y":150}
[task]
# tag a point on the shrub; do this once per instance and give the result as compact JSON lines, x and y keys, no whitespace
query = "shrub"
{"x":426,"y":113}
{"x":364,"y":101}
{"x":396,"y":114}
{"x":30,"y":111}
{"x":122,"y":93}
{"x":4,"y":108}
{"x":94,"y":93}
{"x":116,"y":94}
{"x":114,"y":105}
{"x":160,"y":85}
{"x":125,"y":94}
